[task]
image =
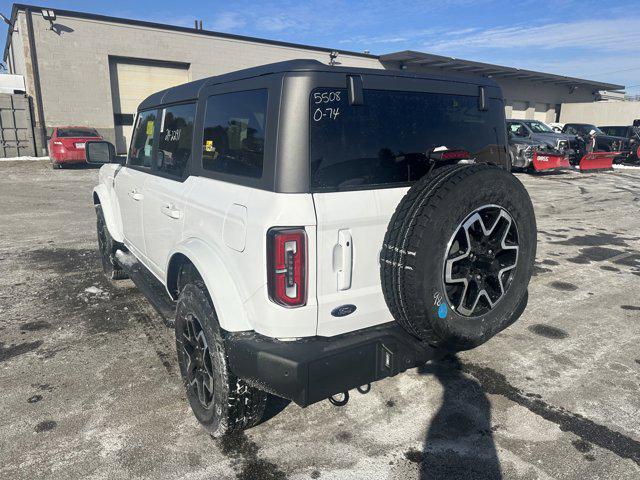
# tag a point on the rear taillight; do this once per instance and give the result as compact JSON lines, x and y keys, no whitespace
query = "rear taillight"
{"x":287,"y":262}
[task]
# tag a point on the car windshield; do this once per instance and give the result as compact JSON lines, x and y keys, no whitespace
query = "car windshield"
{"x":385,"y":141}
{"x":539,"y":127}
{"x":77,"y":132}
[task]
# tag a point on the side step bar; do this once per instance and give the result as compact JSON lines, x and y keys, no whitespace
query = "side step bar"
{"x":149,"y":285}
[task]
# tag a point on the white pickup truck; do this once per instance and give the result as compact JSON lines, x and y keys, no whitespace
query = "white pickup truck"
{"x":310,"y":229}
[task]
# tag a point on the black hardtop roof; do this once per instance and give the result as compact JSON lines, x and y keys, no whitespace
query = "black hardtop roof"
{"x":190,"y":91}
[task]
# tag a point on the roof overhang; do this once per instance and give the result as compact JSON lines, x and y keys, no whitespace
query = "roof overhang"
{"x":419,"y":59}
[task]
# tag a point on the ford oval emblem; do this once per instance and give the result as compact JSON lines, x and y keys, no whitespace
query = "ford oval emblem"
{"x":343,"y":310}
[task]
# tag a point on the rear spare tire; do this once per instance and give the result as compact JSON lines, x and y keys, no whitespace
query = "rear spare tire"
{"x":458,"y":255}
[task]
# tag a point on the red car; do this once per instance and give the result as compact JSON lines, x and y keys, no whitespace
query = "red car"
{"x":66,"y":144}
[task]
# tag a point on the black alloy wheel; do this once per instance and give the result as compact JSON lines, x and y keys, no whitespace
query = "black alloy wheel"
{"x":480,"y":259}
{"x":200,"y":376}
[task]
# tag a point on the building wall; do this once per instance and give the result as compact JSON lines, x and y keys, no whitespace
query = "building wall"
{"x":74,"y":64}
{"x":601,"y":113}
{"x":16,"y":52}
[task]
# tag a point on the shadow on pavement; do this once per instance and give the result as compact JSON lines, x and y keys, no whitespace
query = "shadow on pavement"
{"x":459,"y":443}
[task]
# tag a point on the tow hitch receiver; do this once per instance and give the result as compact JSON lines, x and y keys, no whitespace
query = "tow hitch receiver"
{"x":543,"y":162}
{"x":598,"y":161}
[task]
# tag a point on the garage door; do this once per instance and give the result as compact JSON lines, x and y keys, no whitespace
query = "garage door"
{"x":541,"y":112}
{"x":132,"y":82}
{"x":519,"y":110}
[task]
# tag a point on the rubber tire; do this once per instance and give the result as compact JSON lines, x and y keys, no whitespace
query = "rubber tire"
{"x":411,"y":282}
{"x":56,"y":166}
{"x":236,"y":405}
{"x":107,"y":248}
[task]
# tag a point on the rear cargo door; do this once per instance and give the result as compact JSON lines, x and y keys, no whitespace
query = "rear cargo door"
{"x":364,"y":154}
{"x":351,"y":228}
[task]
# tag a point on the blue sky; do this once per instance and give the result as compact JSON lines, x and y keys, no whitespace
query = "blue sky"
{"x":592,"y":39}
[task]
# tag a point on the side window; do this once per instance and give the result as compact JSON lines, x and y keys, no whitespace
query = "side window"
{"x":174,"y":139}
{"x":234,"y":133}
{"x":517,"y":129}
{"x":570,"y":130}
{"x":142,"y":144}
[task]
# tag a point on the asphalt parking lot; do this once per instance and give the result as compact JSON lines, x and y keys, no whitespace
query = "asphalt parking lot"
{"x":89,"y":384}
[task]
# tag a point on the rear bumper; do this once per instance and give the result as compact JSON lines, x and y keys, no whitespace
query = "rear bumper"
{"x":313,"y":369}
{"x":67,"y":156}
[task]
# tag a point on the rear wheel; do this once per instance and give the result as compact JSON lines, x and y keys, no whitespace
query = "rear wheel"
{"x":220,"y":401}
{"x":56,"y":166}
{"x":458,"y":256}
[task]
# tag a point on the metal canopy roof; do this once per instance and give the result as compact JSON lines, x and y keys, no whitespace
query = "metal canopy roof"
{"x":412,"y":58}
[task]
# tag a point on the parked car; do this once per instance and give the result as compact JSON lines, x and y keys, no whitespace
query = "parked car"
{"x":540,"y":132}
{"x":308,"y":229}
{"x":67,"y":144}
{"x":532,"y":156}
{"x":604,"y":142}
{"x":521,"y":150}
{"x":632,"y":134}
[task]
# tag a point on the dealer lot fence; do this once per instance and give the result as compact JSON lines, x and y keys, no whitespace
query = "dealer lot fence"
{"x":16,"y":130}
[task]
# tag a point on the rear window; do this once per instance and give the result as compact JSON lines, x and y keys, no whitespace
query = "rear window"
{"x":615,"y":131}
{"x":384,"y":142}
{"x":77,"y":132}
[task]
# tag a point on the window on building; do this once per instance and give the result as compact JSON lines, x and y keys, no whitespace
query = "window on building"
{"x":174,"y":139}
{"x":234,"y":133}
{"x":121,"y":119}
{"x":142,"y":144}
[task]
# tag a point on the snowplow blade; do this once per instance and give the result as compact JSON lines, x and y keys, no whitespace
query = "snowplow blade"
{"x":598,"y":161}
{"x":544,"y":162}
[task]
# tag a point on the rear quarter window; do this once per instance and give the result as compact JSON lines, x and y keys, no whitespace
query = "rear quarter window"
{"x":234,"y":133}
{"x":384,"y":142}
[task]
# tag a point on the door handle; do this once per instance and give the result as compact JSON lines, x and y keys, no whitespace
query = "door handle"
{"x":171,"y":211}
{"x":136,"y":195}
{"x":345,"y":267}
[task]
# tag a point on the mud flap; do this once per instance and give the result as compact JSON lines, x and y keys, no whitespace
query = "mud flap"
{"x":544,"y":162}
{"x":598,"y":161}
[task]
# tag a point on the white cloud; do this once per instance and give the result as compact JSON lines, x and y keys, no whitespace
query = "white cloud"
{"x":595,"y":35}
{"x":227,"y":21}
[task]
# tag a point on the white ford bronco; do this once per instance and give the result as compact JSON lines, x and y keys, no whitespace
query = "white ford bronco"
{"x":310,"y":229}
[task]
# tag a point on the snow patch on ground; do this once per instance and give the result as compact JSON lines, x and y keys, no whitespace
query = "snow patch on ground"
{"x":626,"y":167}
{"x":24,"y":159}
{"x":93,"y":290}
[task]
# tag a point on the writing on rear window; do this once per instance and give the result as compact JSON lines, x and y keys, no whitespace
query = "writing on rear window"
{"x":386,"y":141}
